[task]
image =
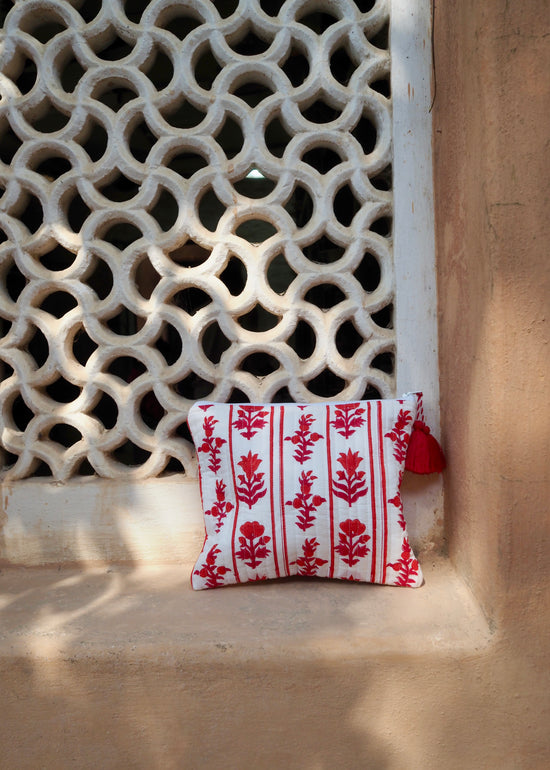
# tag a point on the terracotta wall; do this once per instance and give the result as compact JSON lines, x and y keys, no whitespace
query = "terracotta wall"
{"x":491,"y":142}
{"x":492,"y":172}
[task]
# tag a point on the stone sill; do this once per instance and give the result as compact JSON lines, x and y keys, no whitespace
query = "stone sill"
{"x":159,"y":521}
{"x":151,"y":614}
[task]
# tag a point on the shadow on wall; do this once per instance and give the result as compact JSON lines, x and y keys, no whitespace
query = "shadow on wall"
{"x":492,"y":232}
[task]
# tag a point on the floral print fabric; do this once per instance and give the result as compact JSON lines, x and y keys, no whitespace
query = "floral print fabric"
{"x":304,"y":489}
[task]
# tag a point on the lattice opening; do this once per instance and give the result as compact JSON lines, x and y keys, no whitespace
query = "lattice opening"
{"x":318,"y":21}
{"x":179,"y":24}
{"x":189,"y":207}
{"x":348,"y":340}
{"x":39,"y":349}
{"x":276,"y":137}
{"x":279,"y":274}
{"x":323,"y":251}
{"x":106,"y":410}
{"x":303,"y":340}
{"x":326,"y":382}
{"x":271,"y":7}
{"x":83,"y":347}
{"x":96,"y":140}
{"x":296,"y":67}
{"x":70,"y":75}
{"x":194,"y":387}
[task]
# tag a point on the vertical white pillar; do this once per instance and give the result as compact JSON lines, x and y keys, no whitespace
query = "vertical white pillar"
{"x":414,"y":238}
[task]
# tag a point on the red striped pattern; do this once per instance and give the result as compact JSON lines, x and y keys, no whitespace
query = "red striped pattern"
{"x":282,"y":489}
{"x":232,"y":461}
{"x":383,"y":493}
{"x":271,"y":488}
{"x":374,"y":549}
{"x":330,"y":495}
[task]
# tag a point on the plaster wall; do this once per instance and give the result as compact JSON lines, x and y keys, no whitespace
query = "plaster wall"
{"x":493,"y":231}
{"x":492,"y":235}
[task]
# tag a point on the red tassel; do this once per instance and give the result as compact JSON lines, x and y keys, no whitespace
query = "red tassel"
{"x":424,"y":455}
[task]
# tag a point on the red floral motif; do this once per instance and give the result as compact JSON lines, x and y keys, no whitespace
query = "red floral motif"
{"x":303,"y":439}
{"x":351,"y":482}
{"x":250,"y":419}
{"x":399,"y":436}
{"x":352,"y":544}
{"x":213,"y":574}
{"x":398,"y":502}
{"x":407,"y":566}
{"x":309,"y":564}
{"x":221,"y":507}
{"x":251,"y":552}
{"x":348,"y":419}
{"x":251,"y":487}
{"x":305,"y":502}
{"x":211,"y":444}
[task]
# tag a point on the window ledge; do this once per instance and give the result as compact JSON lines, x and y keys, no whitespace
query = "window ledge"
{"x":151,"y":613}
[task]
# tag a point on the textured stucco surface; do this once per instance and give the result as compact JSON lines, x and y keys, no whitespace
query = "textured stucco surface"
{"x":493,"y":232}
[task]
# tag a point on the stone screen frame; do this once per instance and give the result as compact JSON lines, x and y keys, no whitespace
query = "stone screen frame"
{"x":414,"y":329}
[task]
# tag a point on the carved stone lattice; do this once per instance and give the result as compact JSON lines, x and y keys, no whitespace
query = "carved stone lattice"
{"x":196,"y":202}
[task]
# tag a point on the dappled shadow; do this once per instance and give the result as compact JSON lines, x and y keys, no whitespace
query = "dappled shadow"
{"x":131,"y":668}
{"x":100,"y":521}
{"x":128,"y":667}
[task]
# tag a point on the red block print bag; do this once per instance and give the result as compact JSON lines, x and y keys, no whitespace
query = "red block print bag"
{"x":304,"y":489}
